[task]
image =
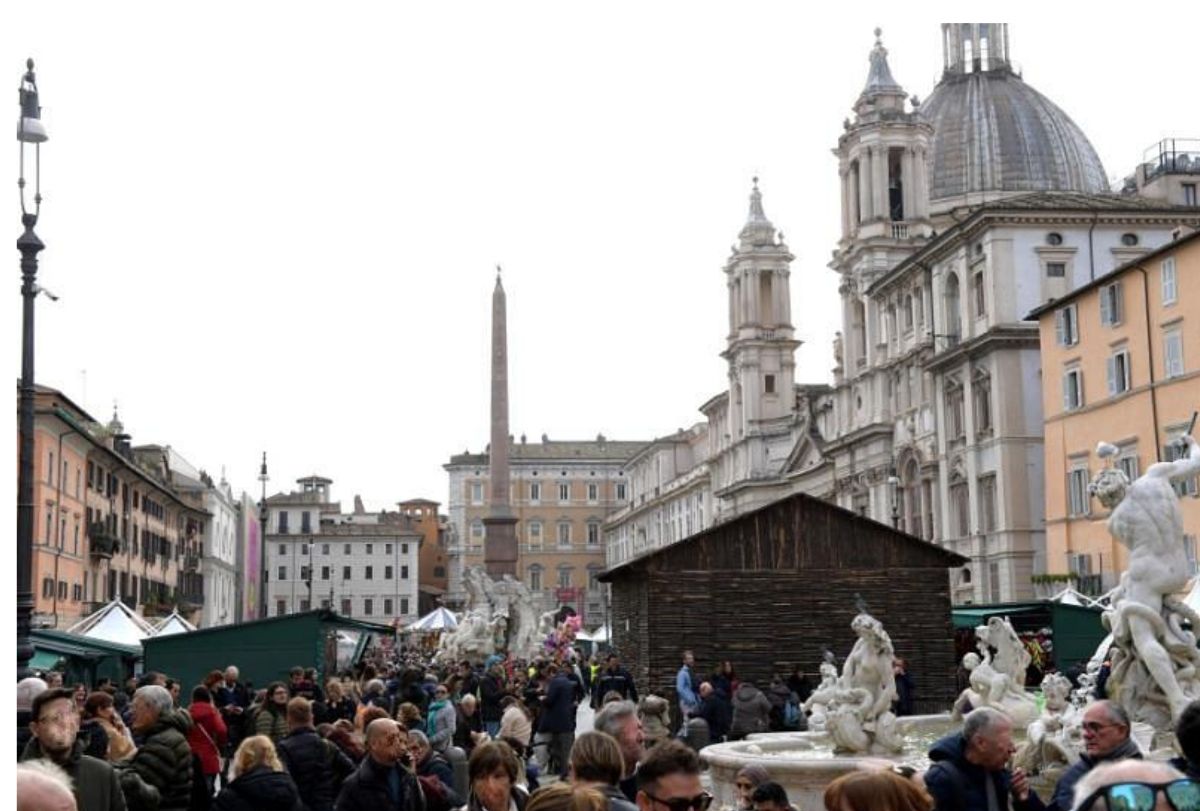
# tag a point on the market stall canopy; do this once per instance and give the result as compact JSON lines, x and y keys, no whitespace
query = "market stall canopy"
{"x":439,"y":619}
{"x":82,"y":658}
{"x":115,"y":622}
{"x":174,"y":623}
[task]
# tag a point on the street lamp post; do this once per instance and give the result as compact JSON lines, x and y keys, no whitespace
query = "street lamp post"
{"x":262,"y":531}
{"x":29,"y":131}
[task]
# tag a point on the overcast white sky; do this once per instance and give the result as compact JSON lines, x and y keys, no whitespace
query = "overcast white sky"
{"x":274,"y":228}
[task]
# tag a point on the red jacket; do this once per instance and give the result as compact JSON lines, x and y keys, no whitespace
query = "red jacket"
{"x":207,"y":719}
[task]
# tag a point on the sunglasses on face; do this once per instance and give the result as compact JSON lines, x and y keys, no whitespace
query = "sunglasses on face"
{"x":700,"y":802}
{"x":1182,"y":795}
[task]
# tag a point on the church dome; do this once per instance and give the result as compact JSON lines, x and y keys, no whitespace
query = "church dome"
{"x":995,"y":133}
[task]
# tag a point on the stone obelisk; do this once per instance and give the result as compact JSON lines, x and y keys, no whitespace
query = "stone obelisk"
{"x":500,"y":526}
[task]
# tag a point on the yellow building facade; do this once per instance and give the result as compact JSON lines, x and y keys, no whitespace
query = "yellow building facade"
{"x":1120,"y":364}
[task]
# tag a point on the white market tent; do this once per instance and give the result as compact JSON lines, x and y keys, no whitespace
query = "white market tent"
{"x":115,"y":622}
{"x":174,"y":623}
{"x":439,"y":619}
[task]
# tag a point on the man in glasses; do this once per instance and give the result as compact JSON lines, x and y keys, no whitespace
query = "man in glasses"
{"x":1105,"y":738}
{"x":54,"y":725}
{"x":669,"y":780}
{"x":1136,"y":785}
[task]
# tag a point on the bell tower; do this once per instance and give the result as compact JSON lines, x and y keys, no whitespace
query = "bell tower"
{"x":760,"y":347}
{"x":882,"y":160}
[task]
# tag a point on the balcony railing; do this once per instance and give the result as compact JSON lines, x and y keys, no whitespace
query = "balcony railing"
{"x":101,"y":543}
{"x":899,"y":230}
{"x":191,"y":563}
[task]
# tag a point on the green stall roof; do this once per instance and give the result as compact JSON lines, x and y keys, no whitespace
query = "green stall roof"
{"x":1077,"y":630}
{"x":87,"y":659}
{"x":262,"y":650}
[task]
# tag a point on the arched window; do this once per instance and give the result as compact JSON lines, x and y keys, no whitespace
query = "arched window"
{"x":911,"y":482}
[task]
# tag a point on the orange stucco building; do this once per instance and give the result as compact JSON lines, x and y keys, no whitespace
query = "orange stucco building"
{"x":1120,"y":364}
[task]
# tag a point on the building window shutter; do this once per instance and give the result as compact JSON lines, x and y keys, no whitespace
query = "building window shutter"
{"x":1118,"y":303}
{"x":1106,"y":314}
{"x":1060,"y":327}
{"x":1110,"y":366}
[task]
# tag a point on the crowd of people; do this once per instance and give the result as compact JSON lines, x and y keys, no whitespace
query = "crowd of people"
{"x":389,"y":736}
{"x":407,"y":736}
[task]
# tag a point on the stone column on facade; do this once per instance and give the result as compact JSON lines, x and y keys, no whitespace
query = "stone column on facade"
{"x":756,"y":304}
{"x":879,"y":180}
{"x":845,"y":190}
{"x":907,"y":183}
{"x":732,"y":306}
{"x":864,"y":185}
{"x":921,"y":191}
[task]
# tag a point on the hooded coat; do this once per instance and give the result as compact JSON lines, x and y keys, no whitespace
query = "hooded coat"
{"x":751,"y":711}
{"x":164,"y":760}
{"x":956,"y":784}
{"x":260,"y":789}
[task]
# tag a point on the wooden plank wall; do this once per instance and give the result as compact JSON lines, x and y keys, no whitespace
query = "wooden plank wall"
{"x":766,"y":622}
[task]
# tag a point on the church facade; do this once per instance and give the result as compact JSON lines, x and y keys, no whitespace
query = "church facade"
{"x":960,"y":215}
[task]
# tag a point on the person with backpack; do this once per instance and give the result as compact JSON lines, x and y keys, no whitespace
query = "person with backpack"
{"x":316,"y":765}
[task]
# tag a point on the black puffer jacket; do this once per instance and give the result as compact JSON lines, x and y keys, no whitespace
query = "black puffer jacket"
{"x":261,"y":789}
{"x":367,"y":790}
{"x":317,"y":766}
{"x":164,"y":760}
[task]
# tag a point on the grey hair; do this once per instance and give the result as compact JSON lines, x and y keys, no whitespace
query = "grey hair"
{"x":156,"y":697}
{"x":469,"y":698}
{"x":374,"y":684}
{"x":613,"y":716}
{"x":981,"y":721}
{"x":1116,"y":713}
{"x":1108,"y":774}
{"x":44,"y":774}
{"x":29,"y":689}
{"x":419,"y":738}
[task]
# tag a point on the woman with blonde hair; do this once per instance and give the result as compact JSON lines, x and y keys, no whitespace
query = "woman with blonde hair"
{"x":596,"y":763}
{"x":566,"y":797}
{"x":259,"y":780}
{"x":876,"y":791}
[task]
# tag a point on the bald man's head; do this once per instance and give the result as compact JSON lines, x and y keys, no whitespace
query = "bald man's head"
{"x":386,"y":741}
{"x":42,"y":786}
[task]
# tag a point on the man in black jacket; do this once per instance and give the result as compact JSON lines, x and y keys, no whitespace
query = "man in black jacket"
{"x":383,"y":782}
{"x":558,"y":718}
{"x":317,"y":766}
{"x":54,"y":726}
{"x":491,"y":691}
{"x":163,"y":762}
{"x":613,"y":679}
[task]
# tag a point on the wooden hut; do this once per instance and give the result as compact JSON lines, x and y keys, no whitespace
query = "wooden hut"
{"x":773,"y":588}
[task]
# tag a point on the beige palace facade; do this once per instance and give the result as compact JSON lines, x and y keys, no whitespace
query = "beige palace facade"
{"x":1120,"y":364}
{"x":562,"y":493}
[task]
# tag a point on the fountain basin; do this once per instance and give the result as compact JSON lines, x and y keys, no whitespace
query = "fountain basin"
{"x":804,"y":763}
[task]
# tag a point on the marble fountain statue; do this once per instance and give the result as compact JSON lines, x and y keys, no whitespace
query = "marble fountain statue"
{"x":499,"y":616}
{"x":1155,"y":666}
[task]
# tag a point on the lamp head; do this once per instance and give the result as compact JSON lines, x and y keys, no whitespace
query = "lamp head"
{"x":30,"y":129}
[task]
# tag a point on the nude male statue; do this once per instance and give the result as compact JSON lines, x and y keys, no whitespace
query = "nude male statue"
{"x":1146,"y":518}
